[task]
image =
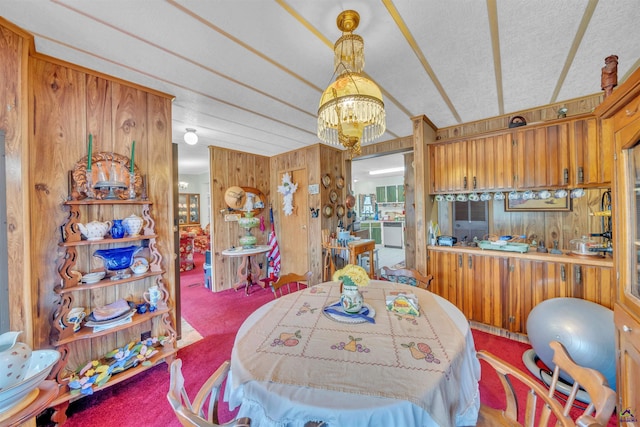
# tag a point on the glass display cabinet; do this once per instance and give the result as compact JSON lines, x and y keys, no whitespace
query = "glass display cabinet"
{"x":189,"y":209}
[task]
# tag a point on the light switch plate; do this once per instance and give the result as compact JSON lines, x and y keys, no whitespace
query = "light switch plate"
{"x":314,"y":188}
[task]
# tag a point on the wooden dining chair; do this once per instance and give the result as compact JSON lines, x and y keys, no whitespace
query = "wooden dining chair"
{"x":408,"y":276}
{"x":594,"y":383}
{"x":203,"y":411}
{"x":288,"y":280}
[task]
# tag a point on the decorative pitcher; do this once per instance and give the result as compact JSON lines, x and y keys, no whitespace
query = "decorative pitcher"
{"x":117,"y":229}
{"x":95,"y":230}
{"x":133,"y":224}
{"x":351,"y":298}
{"x":14,"y":359}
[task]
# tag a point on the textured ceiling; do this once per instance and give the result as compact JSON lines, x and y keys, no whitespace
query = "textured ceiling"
{"x":248,"y":74}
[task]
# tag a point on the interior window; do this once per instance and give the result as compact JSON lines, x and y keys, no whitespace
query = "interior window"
{"x":470,"y":219}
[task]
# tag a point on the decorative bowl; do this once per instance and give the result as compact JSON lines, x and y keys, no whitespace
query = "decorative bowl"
{"x":40,"y":365}
{"x":140,"y":265}
{"x":248,"y":241}
{"x":94,"y":277}
{"x":117,"y":258}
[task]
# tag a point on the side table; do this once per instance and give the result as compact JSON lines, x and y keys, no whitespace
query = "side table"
{"x":249,"y":270}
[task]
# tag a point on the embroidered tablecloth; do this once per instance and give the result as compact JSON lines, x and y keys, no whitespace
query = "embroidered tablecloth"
{"x":401,"y":357}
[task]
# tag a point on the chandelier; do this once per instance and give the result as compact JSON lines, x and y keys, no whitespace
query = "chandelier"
{"x":351,"y":109}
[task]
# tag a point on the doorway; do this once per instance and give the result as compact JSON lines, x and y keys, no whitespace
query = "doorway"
{"x":378,"y":184}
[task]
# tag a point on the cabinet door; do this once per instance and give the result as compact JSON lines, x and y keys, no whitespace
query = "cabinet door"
{"x":376,"y":232}
{"x":542,"y":157}
{"x":530,"y":283}
{"x":381,"y":194}
{"x":392,"y":193}
{"x":593,"y":283}
{"x":447,"y":271}
{"x":183,"y":212}
{"x":628,"y":374}
{"x":401,"y":193}
{"x":449,"y":167}
{"x":482,"y":287}
{"x":591,"y":161}
{"x":491,"y":163}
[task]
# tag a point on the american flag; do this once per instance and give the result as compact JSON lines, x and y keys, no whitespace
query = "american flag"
{"x":274,"y":251}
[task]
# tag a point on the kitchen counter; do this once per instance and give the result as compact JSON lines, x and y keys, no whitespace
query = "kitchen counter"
{"x":566,"y":257}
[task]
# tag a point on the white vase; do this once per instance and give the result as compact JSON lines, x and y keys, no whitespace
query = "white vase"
{"x":351,"y":298}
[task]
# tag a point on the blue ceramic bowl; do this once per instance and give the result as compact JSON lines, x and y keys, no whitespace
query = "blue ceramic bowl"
{"x":117,"y":258}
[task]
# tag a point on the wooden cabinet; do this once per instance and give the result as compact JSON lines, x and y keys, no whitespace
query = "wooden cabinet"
{"x":188,"y":209}
{"x":88,"y":344}
{"x":620,"y":114}
{"x":471,"y":282}
{"x":478,"y":164}
{"x":542,"y":157}
{"x":591,"y":161}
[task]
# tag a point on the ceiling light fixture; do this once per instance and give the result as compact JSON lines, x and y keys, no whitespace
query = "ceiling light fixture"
{"x":190,"y":136}
{"x":390,"y":170}
{"x":351,"y":109}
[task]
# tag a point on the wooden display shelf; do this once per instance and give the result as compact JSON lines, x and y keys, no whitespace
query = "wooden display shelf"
{"x":105,"y":282}
{"x":107,"y":202}
{"x":163,"y":353}
{"x":106,"y":241}
{"x":86,"y":332}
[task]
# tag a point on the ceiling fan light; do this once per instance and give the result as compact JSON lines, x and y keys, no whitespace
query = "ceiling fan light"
{"x":190,"y":136}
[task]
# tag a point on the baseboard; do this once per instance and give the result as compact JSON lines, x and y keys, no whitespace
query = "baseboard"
{"x":499,"y":332}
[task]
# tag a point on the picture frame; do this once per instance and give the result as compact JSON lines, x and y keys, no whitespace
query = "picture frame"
{"x":551,"y":204}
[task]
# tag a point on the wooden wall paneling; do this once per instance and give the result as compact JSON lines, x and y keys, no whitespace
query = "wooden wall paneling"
{"x":410,"y":213}
{"x":58,"y":99}
{"x":14,"y":47}
{"x":576,"y":106}
{"x":229,"y":168}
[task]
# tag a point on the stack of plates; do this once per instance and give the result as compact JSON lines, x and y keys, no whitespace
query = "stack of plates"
{"x":116,"y":320}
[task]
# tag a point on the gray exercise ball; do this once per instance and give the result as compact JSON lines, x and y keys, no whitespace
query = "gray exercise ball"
{"x":585,"y":328}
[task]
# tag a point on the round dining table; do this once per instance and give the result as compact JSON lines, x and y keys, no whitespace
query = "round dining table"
{"x":297,"y":359}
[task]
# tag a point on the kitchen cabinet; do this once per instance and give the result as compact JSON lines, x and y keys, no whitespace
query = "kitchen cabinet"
{"x":471,"y":282}
{"x":501,"y":288}
{"x":542,"y":157}
{"x":620,"y":121}
{"x":381,"y":194}
{"x":591,"y":161}
{"x":392,"y":194}
{"x":477,"y":164}
{"x":375,"y":230}
{"x":401,"y":193}
{"x":188,"y":209}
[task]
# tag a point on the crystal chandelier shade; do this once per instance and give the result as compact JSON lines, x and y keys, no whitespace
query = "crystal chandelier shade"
{"x":351,"y":109}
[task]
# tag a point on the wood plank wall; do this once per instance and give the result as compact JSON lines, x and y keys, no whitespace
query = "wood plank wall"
{"x":65,"y":103}
{"x":14,"y":49}
{"x":229,"y":168}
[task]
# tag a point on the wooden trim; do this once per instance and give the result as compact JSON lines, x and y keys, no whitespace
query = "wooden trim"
{"x":624,"y":94}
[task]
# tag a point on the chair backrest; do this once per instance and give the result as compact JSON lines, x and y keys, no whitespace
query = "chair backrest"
{"x":507,"y":373}
{"x":603,"y":398}
{"x":409,"y":276}
{"x":203,"y":411}
{"x":288,"y":280}
{"x":596,"y":413}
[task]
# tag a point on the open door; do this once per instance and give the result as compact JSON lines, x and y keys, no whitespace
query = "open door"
{"x":176,"y":243}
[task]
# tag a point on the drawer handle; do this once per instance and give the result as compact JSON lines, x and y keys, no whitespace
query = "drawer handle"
{"x":626,"y":328}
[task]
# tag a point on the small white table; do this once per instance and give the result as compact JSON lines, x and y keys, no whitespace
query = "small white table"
{"x":249,"y":268}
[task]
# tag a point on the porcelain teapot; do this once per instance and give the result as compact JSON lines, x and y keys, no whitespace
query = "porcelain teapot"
{"x":94,"y":230}
{"x":133,"y":224}
{"x":14,"y":359}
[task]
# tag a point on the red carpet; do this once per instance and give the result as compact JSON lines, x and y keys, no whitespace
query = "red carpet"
{"x":141,"y":400}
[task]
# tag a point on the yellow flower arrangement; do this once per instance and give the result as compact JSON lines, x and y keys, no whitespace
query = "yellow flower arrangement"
{"x":352,"y":275}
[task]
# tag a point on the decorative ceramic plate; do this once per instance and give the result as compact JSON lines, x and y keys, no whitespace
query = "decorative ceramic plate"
{"x":349,"y":318}
{"x":94,"y":277}
{"x":340,"y":210}
{"x":333,"y":196}
{"x":326,"y":181}
{"x":140,"y":265}
{"x":340,"y":182}
{"x":91,"y":319}
{"x":327,"y":211}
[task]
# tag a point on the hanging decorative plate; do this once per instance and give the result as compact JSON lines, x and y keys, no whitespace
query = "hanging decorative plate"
{"x":326,"y":180}
{"x":333,"y":196}
{"x":327,"y":211}
{"x":340,"y":183}
{"x":340,"y":211}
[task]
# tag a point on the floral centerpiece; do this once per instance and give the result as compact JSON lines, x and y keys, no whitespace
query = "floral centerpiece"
{"x":352,"y":278}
